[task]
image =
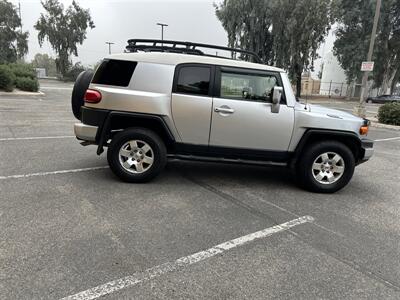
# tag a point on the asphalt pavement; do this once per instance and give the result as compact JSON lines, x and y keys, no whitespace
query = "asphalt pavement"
{"x":70,"y":228}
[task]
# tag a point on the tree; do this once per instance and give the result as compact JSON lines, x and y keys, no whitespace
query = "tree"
{"x":388,"y":51}
{"x":248,"y":25}
{"x":321,"y":71}
{"x":64,"y":30}
{"x":285,"y":33}
{"x":46,"y":62}
{"x":14,"y":42}
{"x":302,"y":34}
{"x":355,"y":19}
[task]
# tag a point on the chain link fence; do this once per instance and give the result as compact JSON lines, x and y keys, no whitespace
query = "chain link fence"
{"x":331,"y":89}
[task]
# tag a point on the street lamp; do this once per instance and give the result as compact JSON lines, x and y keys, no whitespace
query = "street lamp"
{"x":109,"y":46}
{"x":162,"y":31}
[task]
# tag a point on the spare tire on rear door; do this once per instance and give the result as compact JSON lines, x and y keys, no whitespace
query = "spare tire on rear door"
{"x":78,"y":93}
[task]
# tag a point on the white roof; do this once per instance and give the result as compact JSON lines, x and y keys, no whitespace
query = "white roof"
{"x":179,"y":58}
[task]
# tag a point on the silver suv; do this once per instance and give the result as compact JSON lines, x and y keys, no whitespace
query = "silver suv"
{"x":169,"y":99}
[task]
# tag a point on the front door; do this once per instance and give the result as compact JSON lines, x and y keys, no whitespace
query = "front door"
{"x":242,"y":116}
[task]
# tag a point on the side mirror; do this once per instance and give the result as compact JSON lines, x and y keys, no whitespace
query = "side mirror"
{"x":276,"y":99}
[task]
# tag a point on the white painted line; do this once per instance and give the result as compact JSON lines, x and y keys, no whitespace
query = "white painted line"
{"x":131,"y":280}
{"x":388,"y":139}
{"x":51,"y":173}
{"x":37,"y":138}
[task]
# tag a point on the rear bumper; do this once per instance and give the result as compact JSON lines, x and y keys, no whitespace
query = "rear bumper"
{"x":92,"y":119}
{"x":85,"y":132}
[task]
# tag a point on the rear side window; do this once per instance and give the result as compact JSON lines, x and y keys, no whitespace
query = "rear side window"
{"x":114,"y":72}
{"x":194,"y":80}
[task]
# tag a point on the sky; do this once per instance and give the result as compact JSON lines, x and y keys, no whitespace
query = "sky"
{"x":119,"y":20}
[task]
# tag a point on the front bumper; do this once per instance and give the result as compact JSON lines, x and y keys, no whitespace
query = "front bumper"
{"x":367,"y":150}
{"x":85,"y":132}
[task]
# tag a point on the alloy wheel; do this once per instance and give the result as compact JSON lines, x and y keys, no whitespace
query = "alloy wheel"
{"x":328,"y":168}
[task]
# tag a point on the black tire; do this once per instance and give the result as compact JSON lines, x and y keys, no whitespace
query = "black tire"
{"x":81,"y":85}
{"x":304,"y":167}
{"x":140,"y":134}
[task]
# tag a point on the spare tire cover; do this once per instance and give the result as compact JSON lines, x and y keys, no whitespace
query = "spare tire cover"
{"x":78,"y":93}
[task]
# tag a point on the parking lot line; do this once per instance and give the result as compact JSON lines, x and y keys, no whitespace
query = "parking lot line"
{"x":388,"y":139}
{"x":52,"y":173}
{"x":37,"y":138}
{"x":131,"y":280}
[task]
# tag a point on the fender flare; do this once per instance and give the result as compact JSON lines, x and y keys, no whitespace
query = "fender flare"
{"x":351,"y":139}
{"x":104,"y":131}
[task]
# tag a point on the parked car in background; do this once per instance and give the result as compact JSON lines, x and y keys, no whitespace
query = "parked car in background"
{"x":384,"y":99}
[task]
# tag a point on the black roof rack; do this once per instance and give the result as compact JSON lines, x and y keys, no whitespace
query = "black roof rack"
{"x":149,"y":45}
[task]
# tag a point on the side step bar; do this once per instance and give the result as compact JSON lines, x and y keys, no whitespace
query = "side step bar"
{"x":226,"y":160}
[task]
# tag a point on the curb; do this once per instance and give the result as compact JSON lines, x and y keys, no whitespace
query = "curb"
{"x":22,"y":93}
{"x":380,"y":125}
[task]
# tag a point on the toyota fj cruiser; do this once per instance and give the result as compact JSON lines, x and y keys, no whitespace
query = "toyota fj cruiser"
{"x":169,"y":99}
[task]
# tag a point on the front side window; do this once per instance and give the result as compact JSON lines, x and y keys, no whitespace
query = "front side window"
{"x":194,"y":80}
{"x":252,"y":87}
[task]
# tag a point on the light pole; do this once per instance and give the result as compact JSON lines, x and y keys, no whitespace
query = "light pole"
{"x":162,"y":31}
{"x":361,"y":111}
{"x":109,"y":46}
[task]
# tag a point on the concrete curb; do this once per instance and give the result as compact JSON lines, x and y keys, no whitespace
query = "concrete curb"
{"x":380,"y":125}
{"x":22,"y":93}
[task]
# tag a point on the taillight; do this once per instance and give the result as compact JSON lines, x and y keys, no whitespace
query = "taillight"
{"x":92,"y":96}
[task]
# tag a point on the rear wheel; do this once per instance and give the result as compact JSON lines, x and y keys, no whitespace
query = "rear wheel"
{"x":326,"y":167}
{"x":136,"y":155}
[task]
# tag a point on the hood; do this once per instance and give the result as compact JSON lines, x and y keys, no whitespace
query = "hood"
{"x":332,"y":113}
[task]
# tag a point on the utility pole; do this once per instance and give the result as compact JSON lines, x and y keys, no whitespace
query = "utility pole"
{"x":361,"y":111}
{"x":20,"y":18}
{"x":162,"y":31}
{"x":109,"y":46}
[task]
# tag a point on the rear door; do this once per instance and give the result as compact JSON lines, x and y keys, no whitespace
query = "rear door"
{"x":192,"y":102}
{"x":242,"y":116}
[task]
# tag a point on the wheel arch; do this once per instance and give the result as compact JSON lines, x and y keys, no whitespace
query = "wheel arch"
{"x":116,"y":121}
{"x":350,"y":139}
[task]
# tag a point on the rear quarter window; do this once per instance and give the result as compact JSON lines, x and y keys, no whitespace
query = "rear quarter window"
{"x":114,"y":72}
{"x":193,"y":80}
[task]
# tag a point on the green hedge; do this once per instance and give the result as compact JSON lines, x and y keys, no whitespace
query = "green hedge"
{"x":20,"y":75}
{"x":23,"y":70}
{"x":7,"y":78}
{"x":27,"y":84}
{"x":389,"y":113}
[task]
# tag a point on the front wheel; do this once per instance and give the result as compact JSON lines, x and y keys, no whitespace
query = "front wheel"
{"x":325,"y":167}
{"x":136,"y":155}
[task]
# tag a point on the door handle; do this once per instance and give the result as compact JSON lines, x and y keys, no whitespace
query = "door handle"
{"x":224,"y":110}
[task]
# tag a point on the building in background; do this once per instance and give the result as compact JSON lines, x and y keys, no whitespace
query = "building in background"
{"x":309,"y":85}
{"x":40,"y":72}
